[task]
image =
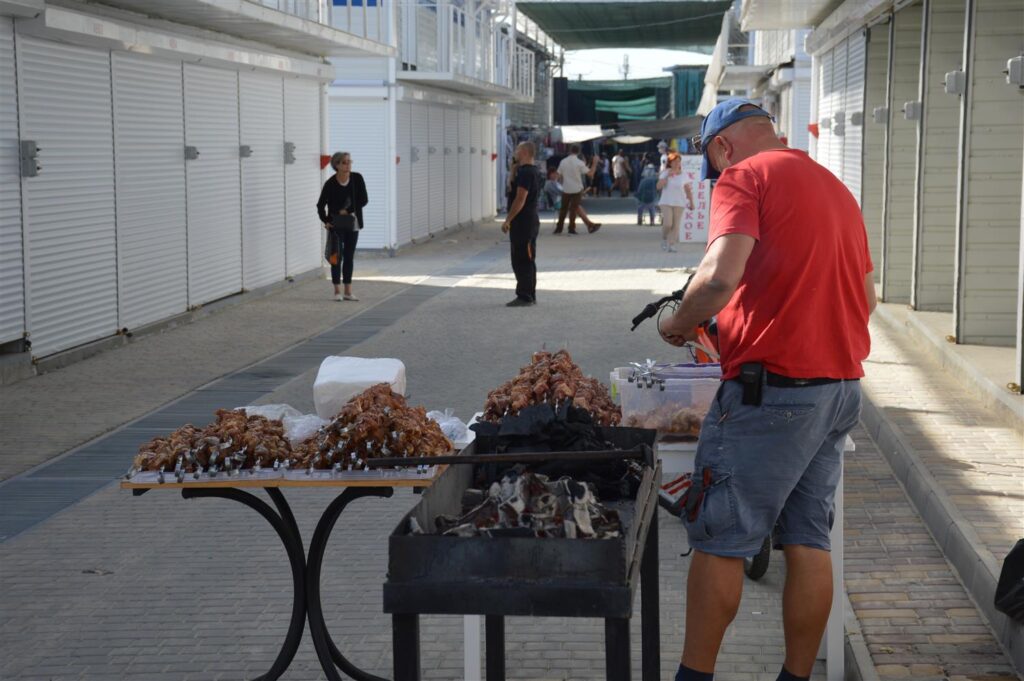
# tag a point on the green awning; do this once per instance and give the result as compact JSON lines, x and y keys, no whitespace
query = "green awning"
{"x":685,"y":24}
{"x":634,"y":109}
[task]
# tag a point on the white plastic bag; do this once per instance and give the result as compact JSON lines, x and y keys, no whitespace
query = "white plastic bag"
{"x":452,"y":426}
{"x":302,"y":427}
{"x":342,"y":378}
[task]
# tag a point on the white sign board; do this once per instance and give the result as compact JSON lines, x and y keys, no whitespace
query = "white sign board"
{"x":695,"y":222}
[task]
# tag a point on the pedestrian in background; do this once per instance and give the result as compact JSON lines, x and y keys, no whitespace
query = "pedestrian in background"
{"x":620,"y":171}
{"x":647,"y":193}
{"x":340,"y":209}
{"x":523,"y":225}
{"x":676,"y":195}
{"x":572,"y":170}
{"x":552,"y":191}
{"x":663,"y":156}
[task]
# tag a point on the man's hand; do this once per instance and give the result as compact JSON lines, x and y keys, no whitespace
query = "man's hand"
{"x":505,"y":227}
{"x":326,"y":226}
{"x":672,"y":336}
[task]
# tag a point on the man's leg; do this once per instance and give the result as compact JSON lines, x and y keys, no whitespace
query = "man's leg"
{"x":574,"y":203}
{"x":713,"y":590}
{"x":806,"y":603}
{"x":562,"y":212}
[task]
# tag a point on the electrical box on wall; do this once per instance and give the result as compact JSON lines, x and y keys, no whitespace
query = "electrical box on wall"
{"x":1015,"y":71}
{"x":880,"y":115}
{"x":956,"y":83}
{"x":912,"y":111}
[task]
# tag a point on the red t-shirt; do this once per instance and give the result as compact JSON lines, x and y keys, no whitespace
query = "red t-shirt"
{"x":800,"y":308}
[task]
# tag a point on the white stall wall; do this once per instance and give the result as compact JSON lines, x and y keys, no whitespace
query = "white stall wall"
{"x":826,"y":108}
{"x":71,"y":265}
{"x":898,"y":223}
{"x":261,"y":127}
{"x":362,"y":128}
{"x":12,"y":275}
{"x":420,"y":157}
{"x":302,"y":179}
{"x":465,"y":166}
{"x":451,"y":167}
{"x":435,"y":153}
{"x":872,"y":179}
{"x":935,"y":227}
{"x":479,"y":186}
{"x":853,"y":107}
{"x":214,"y":185}
{"x":404,"y":175}
{"x":837,"y":138}
{"x":149,"y":136}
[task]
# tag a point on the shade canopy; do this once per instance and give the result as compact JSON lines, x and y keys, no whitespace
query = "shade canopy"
{"x":682,"y":24}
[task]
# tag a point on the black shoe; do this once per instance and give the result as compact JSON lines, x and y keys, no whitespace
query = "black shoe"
{"x":594,"y":227}
{"x":520,"y":302}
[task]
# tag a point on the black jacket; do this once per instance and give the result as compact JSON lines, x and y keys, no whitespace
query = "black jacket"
{"x":334,"y":198}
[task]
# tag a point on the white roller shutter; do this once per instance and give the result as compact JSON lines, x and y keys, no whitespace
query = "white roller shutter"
{"x":826,"y":99}
{"x":405,"y":169}
{"x":478,"y":169}
{"x":213,"y":184}
{"x":451,"y":167}
{"x":359,"y":126}
{"x":261,"y":125}
{"x":420,"y":158}
{"x":465,"y":166}
{"x":71,"y":265}
{"x":149,"y":135}
{"x":853,"y":104}
{"x":840,"y":116}
{"x":302,"y":177}
{"x":489,"y":133}
{"x":435,"y":153}
{"x":874,"y":140}
{"x":12,"y":274}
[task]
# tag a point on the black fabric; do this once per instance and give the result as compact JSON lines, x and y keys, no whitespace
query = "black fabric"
{"x":528,"y":177}
{"x":524,"y":263}
{"x":1009,"y":598}
{"x":345,"y":241}
{"x":335,"y":198}
{"x":684,"y":673}
{"x":786,"y":675}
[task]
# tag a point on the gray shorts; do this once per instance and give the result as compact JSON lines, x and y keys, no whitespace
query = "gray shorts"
{"x":774,"y":464}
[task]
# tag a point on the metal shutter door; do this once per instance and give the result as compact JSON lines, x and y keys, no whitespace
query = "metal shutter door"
{"x":302,"y":179}
{"x":874,"y":140}
{"x":800,"y":100}
{"x":403,"y":111}
{"x":149,"y":135}
{"x":213,"y":184}
{"x":839,"y":112}
{"x":435,"y":154}
{"x":261,"y":126}
{"x":465,"y":166}
{"x":853,"y":103}
{"x":420,"y":200}
{"x":451,"y":167}
{"x":359,"y":126}
{"x":479,"y":186}
{"x":490,"y":125}
{"x":825,"y":109}
{"x":12,"y":274}
{"x":71,"y":268}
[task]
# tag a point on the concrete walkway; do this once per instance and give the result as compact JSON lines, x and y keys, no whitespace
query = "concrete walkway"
{"x":155,"y":587}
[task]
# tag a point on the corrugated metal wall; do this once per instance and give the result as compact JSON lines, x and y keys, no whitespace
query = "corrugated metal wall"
{"x":826,"y":108}
{"x":152,"y":240}
{"x":477,"y":189}
{"x":990,"y":226}
{"x":404,"y":176}
{"x":302,"y":178}
{"x":12,"y":277}
{"x":872,"y":177}
{"x":435,"y":160}
{"x":214,"y":184}
{"x":465,"y":166}
{"x":261,"y":128}
{"x":71,"y":258}
{"x":420,"y":133}
{"x":935,"y":226}
{"x":451,"y":167}
{"x":362,"y":128}
{"x":898,"y":215}
{"x":839,"y":113}
{"x":853,"y":119}
{"x":799,"y":113}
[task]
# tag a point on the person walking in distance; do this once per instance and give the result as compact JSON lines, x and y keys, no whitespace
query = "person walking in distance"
{"x":572,"y":170}
{"x":787,"y":271}
{"x":523,"y":225}
{"x":675,"y":195}
{"x":341,"y":211}
{"x":620,"y":171}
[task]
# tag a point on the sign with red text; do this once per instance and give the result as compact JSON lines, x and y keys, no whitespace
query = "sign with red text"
{"x":695,"y":222}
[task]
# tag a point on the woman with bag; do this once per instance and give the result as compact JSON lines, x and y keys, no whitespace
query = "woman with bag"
{"x":675,"y":195}
{"x":341,"y":211}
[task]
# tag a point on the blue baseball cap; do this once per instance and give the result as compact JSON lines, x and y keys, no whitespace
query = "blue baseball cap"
{"x":721,"y":117}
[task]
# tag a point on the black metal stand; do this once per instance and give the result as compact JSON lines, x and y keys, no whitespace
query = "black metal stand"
{"x":305,"y":575}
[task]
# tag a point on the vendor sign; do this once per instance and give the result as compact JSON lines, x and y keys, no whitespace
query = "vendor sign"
{"x":695,"y":222}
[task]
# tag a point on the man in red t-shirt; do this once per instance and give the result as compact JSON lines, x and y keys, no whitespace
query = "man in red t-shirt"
{"x":787,"y":273}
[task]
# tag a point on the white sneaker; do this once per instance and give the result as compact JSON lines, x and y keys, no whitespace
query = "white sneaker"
{"x":671,"y":250}
{"x":350,"y":297}
{"x":337,"y":297}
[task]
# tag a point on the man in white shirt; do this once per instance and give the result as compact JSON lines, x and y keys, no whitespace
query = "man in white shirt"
{"x":663,"y":150}
{"x":620,"y":171}
{"x":572,"y":170}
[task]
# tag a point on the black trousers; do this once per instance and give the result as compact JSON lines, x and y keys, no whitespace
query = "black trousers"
{"x":342,"y":272}
{"x":524,"y":262}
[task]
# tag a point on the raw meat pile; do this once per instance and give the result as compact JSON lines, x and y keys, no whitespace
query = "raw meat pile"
{"x":525,"y":504}
{"x":232,"y":442}
{"x":552,"y":378}
{"x":375,"y":423}
{"x":669,"y":418}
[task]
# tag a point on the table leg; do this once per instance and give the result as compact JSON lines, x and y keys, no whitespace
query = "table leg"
{"x":405,"y":646}
{"x":332,"y":659}
{"x":287,"y":531}
{"x":494,"y":626}
{"x":616,"y":649}
{"x":650,"y":626}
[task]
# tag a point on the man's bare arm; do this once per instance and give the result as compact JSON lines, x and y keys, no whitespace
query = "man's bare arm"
{"x":517,"y":204}
{"x":869,"y":291}
{"x":717,"y":278}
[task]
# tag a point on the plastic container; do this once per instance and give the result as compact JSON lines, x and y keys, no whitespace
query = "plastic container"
{"x":672,"y":399}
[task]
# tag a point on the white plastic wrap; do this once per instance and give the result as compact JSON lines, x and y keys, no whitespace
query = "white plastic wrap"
{"x":302,"y":427}
{"x":342,"y":378}
{"x":276,"y":412}
{"x":452,"y":426}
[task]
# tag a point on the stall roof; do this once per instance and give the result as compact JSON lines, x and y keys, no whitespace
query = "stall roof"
{"x":682,"y":24}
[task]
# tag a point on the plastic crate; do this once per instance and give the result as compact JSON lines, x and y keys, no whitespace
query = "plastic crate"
{"x":673,"y":400}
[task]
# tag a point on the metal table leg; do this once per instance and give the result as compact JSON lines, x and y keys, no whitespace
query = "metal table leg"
{"x":405,"y":646}
{"x":616,"y":649}
{"x":495,"y":628}
{"x":650,"y":627}
{"x":287,"y":530}
{"x":332,"y":659}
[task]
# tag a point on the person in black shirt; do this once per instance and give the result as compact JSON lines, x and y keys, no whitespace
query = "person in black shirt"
{"x":523,"y":225}
{"x":341,"y":211}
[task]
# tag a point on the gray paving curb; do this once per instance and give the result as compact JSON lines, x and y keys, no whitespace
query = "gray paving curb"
{"x":857,"y":663}
{"x":974,"y":564}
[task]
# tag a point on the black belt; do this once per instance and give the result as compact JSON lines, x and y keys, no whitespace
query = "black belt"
{"x":779,"y":381}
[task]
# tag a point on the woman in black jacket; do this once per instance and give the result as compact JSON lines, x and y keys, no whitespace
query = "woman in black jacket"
{"x":341,"y":211}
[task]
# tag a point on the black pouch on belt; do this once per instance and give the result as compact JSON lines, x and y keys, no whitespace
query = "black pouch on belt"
{"x":752,"y":380}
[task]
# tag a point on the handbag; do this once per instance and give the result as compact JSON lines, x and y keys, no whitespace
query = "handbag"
{"x":344,"y":223}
